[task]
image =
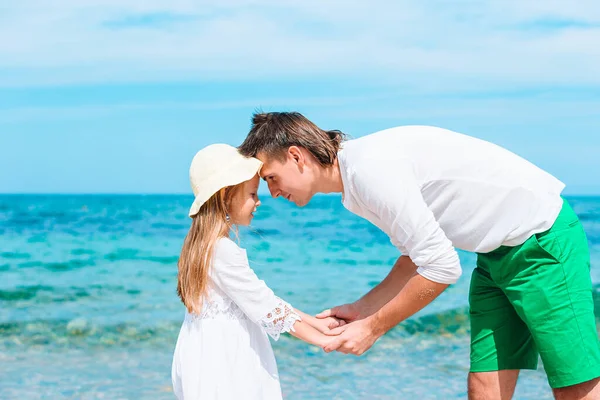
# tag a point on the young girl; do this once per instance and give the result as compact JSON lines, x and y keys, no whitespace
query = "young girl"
{"x":223,"y":351}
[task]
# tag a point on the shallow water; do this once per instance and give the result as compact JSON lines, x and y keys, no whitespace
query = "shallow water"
{"x":89,"y":309}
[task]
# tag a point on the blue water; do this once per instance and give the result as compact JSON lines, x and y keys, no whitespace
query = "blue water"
{"x":88,"y":307}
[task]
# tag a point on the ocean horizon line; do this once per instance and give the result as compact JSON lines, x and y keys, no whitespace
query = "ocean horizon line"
{"x":176,"y":194}
{"x":130,"y":194}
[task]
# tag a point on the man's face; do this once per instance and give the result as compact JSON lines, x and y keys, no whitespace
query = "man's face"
{"x":288,"y":178}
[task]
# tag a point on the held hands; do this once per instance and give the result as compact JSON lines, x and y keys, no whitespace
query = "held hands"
{"x":351,"y":332}
{"x":326,"y":324}
{"x":334,"y":318}
{"x":347,"y":313}
{"x":353,"y":338}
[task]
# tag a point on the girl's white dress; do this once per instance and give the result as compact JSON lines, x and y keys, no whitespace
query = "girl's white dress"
{"x":224,"y":352}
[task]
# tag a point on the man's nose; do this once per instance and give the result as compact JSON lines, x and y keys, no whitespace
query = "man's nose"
{"x":274,"y":190}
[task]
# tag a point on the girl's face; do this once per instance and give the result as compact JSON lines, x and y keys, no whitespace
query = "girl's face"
{"x":245,"y":202}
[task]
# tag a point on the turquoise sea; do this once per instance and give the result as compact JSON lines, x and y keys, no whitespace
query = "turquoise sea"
{"x":88,"y":307}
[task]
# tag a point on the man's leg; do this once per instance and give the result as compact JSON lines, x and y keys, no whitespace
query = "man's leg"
{"x":496,"y":385}
{"x":501,"y":344}
{"x":584,"y":391}
{"x":550,"y":287}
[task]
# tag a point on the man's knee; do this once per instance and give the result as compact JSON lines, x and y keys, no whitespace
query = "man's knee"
{"x":589,"y":390}
{"x":495,"y":385}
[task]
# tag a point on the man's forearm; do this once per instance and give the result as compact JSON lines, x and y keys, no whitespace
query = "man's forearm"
{"x":415,"y":294}
{"x":388,"y":288}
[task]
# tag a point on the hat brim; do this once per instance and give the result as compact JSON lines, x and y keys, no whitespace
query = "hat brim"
{"x":238,"y":172}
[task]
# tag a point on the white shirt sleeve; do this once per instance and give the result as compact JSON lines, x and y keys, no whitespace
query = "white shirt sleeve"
{"x":233,"y":275}
{"x":391,"y":192}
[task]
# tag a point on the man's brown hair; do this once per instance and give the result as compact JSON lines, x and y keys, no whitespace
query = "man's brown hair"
{"x":273,"y":134}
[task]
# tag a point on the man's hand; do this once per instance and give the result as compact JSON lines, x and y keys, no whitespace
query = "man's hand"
{"x":347,"y":312}
{"x":325,"y":325}
{"x":354,"y":338}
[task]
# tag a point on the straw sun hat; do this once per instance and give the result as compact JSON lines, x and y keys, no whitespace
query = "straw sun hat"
{"x":218,"y":166}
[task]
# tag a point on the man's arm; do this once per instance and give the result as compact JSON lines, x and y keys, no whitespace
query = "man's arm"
{"x":388,"y":288}
{"x":357,"y":337}
{"x":396,"y":199}
{"x":377,"y":297}
{"x":417,"y":293}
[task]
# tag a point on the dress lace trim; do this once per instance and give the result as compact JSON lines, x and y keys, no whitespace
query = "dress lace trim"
{"x":221,"y":308}
{"x":280,"y":320}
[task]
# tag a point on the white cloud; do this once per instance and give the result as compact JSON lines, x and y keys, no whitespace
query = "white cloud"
{"x":20,"y":114}
{"x":432,"y":45}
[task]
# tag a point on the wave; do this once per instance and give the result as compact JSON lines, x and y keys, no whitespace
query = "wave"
{"x":82,"y":332}
{"x":85,"y":332}
{"x":134,"y":254}
{"x":43,"y":294}
{"x":19,"y":260}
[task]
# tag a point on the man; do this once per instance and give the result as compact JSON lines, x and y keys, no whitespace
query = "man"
{"x":432,"y":190}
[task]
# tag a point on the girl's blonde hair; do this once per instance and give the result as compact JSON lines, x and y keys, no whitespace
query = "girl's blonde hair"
{"x":208,"y":226}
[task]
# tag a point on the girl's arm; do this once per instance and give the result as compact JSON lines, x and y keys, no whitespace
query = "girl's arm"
{"x":285,"y":318}
{"x":303,"y":331}
{"x":233,"y":275}
{"x":323,"y":325}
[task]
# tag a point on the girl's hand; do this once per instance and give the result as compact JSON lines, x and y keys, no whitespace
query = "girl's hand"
{"x":325,"y":325}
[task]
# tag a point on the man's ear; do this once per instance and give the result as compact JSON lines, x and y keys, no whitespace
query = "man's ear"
{"x":295,"y":154}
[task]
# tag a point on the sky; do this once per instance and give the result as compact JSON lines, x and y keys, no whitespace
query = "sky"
{"x":116,"y":96}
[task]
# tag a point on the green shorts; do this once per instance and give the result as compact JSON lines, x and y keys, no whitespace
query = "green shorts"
{"x":536,"y":299}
